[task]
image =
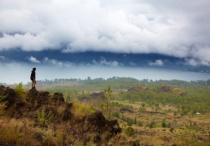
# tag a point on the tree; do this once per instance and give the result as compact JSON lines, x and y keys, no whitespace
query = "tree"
{"x":108,"y":96}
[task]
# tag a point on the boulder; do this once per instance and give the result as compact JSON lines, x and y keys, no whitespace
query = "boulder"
{"x":38,"y":98}
{"x":58,"y":98}
{"x":33,"y":92}
{"x":98,"y":123}
{"x":122,"y":110}
{"x":7,"y":95}
{"x":18,"y":107}
{"x":165,"y":89}
{"x":138,"y":89}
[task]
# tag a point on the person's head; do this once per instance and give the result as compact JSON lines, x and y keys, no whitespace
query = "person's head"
{"x":34,"y":69}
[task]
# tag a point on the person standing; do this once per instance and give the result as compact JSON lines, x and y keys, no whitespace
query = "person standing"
{"x":33,"y":77}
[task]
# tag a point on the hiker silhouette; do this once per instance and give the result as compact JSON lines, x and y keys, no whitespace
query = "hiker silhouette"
{"x":33,"y":77}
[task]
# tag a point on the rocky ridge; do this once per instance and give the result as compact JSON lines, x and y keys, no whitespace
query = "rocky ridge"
{"x":58,"y":112}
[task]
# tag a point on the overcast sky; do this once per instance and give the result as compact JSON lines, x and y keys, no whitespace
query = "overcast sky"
{"x":172,"y":27}
{"x":179,"y":28}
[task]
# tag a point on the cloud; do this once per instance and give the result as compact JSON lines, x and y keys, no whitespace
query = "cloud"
{"x":177,"y":28}
{"x":2,"y":58}
{"x":196,"y":62}
{"x":57,"y":63}
{"x":157,"y":63}
{"x":33,"y":59}
{"x":103,"y":61}
{"x":53,"y":61}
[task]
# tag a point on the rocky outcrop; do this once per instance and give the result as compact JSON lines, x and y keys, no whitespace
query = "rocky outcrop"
{"x":58,"y":98}
{"x":99,"y":95}
{"x":126,"y":110}
{"x":32,"y":92}
{"x":8,"y":95}
{"x":165,"y":89}
{"x":13,"y":102}
{"x":138,"y":89}
{"x":94,"y":98}
{"x":45,"y":110}
{"x":98,"y":123}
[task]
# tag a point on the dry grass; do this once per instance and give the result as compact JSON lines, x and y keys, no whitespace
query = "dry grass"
{"x":2,"y":108}
{"x":17,"y":132}
{"x":81,"y":110}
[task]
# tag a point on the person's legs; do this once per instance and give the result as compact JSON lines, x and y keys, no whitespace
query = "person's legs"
{"x":33,"y":83}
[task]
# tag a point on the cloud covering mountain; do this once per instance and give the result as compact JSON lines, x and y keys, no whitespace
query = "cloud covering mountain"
{"x":175,"y":28}
{"x":100,"y":38}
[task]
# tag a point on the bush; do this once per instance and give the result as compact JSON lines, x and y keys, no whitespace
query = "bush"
{"x":80,"y":110}
{"x":20,"y":91}
{"x":130,"y":131}
{"x":116,"y":114}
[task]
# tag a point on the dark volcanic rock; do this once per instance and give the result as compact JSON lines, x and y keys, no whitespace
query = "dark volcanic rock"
{"x":39,"y":98}
{"x":138,"y":89}
{"x":7,"y":94}
{"x":18,"y":106}
{"x":166,"y":89}
{"x":58,"y":98}
{"x":56,"y":112}
{"x":33,"y":92}
{"x":122,"y":110}
{"x":97,"y":95}
{"x":94,"y":98}
{"x":98,"y":123}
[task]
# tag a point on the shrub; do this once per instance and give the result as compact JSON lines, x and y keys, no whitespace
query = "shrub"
{"x":2,"y":107}
{"x":43,"y":117}
{"x":16,"y":132}
{"x":130,"y":131}
{"x":116,"y":114}
{"x":80,"y":110}
{"x":20,"y":91}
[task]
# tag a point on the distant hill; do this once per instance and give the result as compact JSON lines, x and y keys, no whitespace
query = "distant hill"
{"x":94,"y":98}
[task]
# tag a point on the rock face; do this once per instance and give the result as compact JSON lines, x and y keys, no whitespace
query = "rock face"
{"x":8,"y":94}
{"x":100,"y":124}
{"x":33,"y":92}
{"x":94,"y":98}
{"x":58,"y":98}
{"x":12,"y":101}
{"x":123,"y":110}
{"x":165,"y":89}
{"x":138,"y":89}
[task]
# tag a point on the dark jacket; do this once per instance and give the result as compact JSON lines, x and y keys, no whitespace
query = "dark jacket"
{"x":33,"y":75}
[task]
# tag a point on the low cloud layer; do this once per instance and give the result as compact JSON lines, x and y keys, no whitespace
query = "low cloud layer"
{"x":177,"y":28}
{"x":33,"y":59}
{"x":157,"y":63}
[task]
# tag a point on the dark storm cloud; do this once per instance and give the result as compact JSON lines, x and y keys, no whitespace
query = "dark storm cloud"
{"x":178,"y":28}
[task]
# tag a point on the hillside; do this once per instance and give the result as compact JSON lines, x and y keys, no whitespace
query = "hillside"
{"x":38,"y":118}
{"x":127,"y":113}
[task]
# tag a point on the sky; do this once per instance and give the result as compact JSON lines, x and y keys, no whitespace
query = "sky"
{"x":167,"y":27}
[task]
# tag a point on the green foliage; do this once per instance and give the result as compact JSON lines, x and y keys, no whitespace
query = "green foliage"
{"x":152,"y":124}
{"x":116,"y":114}
{"x":163,"y":124}
{"x":108,"y":96}
{"x":2,"y":108}
{"x":43,"y":117}
{"x":142,"y":109}
{"x":20,"y":91}
{"x":130,"y":131}
{"x":81,"y":110}
{"x":2,"y":98}
{"x":129,"y":121}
